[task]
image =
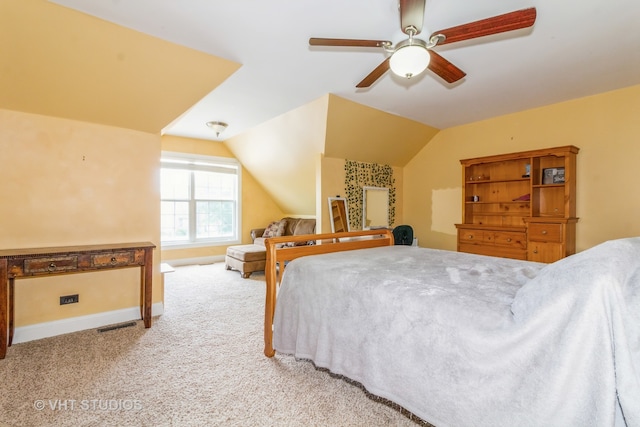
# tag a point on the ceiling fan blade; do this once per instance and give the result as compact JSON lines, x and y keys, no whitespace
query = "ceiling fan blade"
{"x":445,"y":69}
{"x":485,"y":27}
{"x":313,"y":41}
{"x":375,"y":74}
{"x":411,"y":15}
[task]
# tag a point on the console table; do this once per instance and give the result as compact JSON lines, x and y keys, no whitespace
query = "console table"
{"x":39,"y":262}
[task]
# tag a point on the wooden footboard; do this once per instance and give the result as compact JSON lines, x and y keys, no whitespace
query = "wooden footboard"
{"x":324,"y":243}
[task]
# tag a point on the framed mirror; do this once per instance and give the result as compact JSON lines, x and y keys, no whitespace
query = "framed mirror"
{"x":375,"y":207}
{"x":338,"y":214}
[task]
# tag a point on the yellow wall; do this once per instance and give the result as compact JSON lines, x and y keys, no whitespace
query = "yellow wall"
{"x":59,"y":62}
{"x":606,"y":129}
{"x":66,"y":182}
{"x":282,"y":155}
{"x":258,"y":209}
{"x":332,"y":185}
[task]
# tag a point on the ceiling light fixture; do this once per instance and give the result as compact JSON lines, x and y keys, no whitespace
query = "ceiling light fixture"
{"x":218,"y":127}
{"x":411,"y":56}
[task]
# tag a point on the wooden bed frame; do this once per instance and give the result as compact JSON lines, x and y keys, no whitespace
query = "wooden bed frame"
{"x":277,"y":257}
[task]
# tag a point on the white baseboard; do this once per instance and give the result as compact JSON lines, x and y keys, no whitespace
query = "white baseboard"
{"x":80,"y":323}
{"x":195,"y":261}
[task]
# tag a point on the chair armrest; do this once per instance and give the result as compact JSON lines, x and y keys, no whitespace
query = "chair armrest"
{"x":257,"y":232}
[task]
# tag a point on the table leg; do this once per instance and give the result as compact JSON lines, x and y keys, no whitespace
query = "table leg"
{"x":148,"y":287}
{"x":4,"y":308}
{"x":12,"y":282}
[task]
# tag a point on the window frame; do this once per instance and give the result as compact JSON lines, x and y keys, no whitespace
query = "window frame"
{"x":199,"y":162}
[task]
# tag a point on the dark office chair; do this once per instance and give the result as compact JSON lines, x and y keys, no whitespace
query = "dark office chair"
{"x":403,"y":235}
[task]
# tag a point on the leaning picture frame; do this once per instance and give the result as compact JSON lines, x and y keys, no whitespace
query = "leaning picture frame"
{"x":553,"y":176}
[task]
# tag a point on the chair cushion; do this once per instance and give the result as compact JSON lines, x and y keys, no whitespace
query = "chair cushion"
{"x":305,"y":226}
{"x":275,"y":229}
{"x":298,"y":226}
{"x":247,"y":253}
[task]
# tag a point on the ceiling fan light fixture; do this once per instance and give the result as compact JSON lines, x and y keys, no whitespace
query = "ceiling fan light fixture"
{"x":218,"y":127}
{"x":410,"y":58}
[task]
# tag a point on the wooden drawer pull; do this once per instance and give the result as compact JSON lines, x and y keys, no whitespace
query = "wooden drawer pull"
{"x":52,"y":266}
{"x":509,"y":240}
{"x":544,"y":231}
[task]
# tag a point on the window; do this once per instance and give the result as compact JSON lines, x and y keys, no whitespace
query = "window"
{"x":199,"y":200}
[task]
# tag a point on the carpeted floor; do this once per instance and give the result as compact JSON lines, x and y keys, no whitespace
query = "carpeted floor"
{"x":201,"y":364}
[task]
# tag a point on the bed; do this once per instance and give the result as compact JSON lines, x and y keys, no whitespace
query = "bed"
{"x":460,"y":339}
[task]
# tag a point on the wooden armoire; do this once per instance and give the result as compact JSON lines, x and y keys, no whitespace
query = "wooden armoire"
{"x":520,"y":205}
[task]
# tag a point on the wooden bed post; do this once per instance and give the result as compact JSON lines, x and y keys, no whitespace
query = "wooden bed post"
{"x":323,"y":243}
{"x":270,"y":302}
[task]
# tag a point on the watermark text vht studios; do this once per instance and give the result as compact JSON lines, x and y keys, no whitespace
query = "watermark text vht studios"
{"x":87,"y":405}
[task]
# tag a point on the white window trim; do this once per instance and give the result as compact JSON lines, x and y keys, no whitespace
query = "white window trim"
{"x":206,"y":163}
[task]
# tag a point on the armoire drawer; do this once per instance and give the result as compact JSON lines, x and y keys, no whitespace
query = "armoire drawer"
{"x":505,"y":238}
{"x":545,"y":232}
{"x":475,"y":237}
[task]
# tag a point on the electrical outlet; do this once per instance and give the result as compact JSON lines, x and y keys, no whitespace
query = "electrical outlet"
{"x":69,"y":299}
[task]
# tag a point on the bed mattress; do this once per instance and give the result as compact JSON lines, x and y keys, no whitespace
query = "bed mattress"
{"x":462,"y":339}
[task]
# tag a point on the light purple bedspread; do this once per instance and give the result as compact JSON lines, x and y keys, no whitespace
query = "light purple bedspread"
{"x":462,"y":340}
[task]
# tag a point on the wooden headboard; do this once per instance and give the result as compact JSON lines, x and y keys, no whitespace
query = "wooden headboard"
{"x":277,"y":257}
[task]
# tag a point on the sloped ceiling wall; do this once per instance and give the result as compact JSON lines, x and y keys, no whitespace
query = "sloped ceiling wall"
{"x":282,"y":155}
{"x":62,"y":63}
{"x":357,"y":132}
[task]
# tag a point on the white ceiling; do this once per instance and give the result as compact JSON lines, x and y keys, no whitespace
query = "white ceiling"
{"x":576,"y":48}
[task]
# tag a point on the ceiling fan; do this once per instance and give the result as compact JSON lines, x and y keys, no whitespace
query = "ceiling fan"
{"x":412,"y":56}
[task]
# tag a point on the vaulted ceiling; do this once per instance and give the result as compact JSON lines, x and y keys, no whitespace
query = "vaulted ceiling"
{"x":163,"y":66}
{"x":63,"y":63}
{"x":574,"y":49}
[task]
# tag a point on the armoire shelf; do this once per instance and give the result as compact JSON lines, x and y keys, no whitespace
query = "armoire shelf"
{"x":520,"y":205}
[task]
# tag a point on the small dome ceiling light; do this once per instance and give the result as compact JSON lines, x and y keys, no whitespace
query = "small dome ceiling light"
{"x":218,"y":127}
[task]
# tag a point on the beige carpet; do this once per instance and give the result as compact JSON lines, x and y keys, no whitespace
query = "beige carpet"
{"x":201,"y":364}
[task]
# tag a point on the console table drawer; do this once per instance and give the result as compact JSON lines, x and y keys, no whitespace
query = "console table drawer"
{"x":115,"y":259}
{"x":56,"y":264}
